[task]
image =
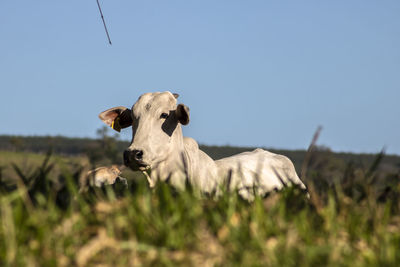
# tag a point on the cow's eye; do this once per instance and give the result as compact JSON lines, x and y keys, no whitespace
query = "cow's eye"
{"x":164,"y":116}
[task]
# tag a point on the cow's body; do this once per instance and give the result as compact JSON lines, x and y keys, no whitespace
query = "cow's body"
{"x":100,"y":176}
{"x":161,"y":152}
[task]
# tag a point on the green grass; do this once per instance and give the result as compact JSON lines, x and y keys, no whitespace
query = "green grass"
{"x":340,"y":225}
{"x":28,"y":162}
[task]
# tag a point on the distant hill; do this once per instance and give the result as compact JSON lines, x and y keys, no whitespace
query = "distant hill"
{"x":78,"y":146}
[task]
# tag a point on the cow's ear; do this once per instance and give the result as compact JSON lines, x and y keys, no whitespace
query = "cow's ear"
{"x":117,"y":118}
{"x":183,"y":114}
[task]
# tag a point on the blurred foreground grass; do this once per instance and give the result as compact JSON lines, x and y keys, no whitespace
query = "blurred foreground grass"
{"x":352,"y":221}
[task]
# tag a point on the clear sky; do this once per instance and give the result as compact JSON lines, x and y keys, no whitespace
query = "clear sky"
{"x":254,"y":73}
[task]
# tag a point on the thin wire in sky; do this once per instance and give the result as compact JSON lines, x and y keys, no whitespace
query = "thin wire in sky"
{"x":104,"y":23}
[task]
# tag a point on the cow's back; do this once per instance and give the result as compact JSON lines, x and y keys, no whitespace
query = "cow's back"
{"x":257,"y":171}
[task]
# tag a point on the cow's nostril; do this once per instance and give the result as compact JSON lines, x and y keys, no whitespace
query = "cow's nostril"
{"x":138,"y":154}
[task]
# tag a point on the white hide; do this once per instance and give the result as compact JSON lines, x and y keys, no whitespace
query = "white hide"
{"x":168,"y":156}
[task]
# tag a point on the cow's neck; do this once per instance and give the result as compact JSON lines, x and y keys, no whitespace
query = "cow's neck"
{"x":175,"y":168}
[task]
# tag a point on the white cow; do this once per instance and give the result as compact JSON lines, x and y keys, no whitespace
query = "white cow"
{"x":160,"y":151}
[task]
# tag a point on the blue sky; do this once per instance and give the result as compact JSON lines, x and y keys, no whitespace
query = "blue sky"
{"x":254,"y":73}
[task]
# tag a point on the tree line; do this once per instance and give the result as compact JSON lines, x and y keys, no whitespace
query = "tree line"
{"x":108,"y":148}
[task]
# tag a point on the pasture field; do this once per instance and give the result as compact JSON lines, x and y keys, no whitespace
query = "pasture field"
{"x":354,"y":221}
{"x":28,"y":162}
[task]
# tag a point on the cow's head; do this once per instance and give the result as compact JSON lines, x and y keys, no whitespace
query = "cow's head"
{"x":155,"y":119}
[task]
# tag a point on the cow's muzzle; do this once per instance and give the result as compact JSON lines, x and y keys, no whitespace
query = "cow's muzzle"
{"x":134,"y":160}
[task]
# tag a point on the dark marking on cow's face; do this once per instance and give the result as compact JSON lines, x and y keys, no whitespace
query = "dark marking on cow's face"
{"x":170,"y":124}
{"x":148,"y":106}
